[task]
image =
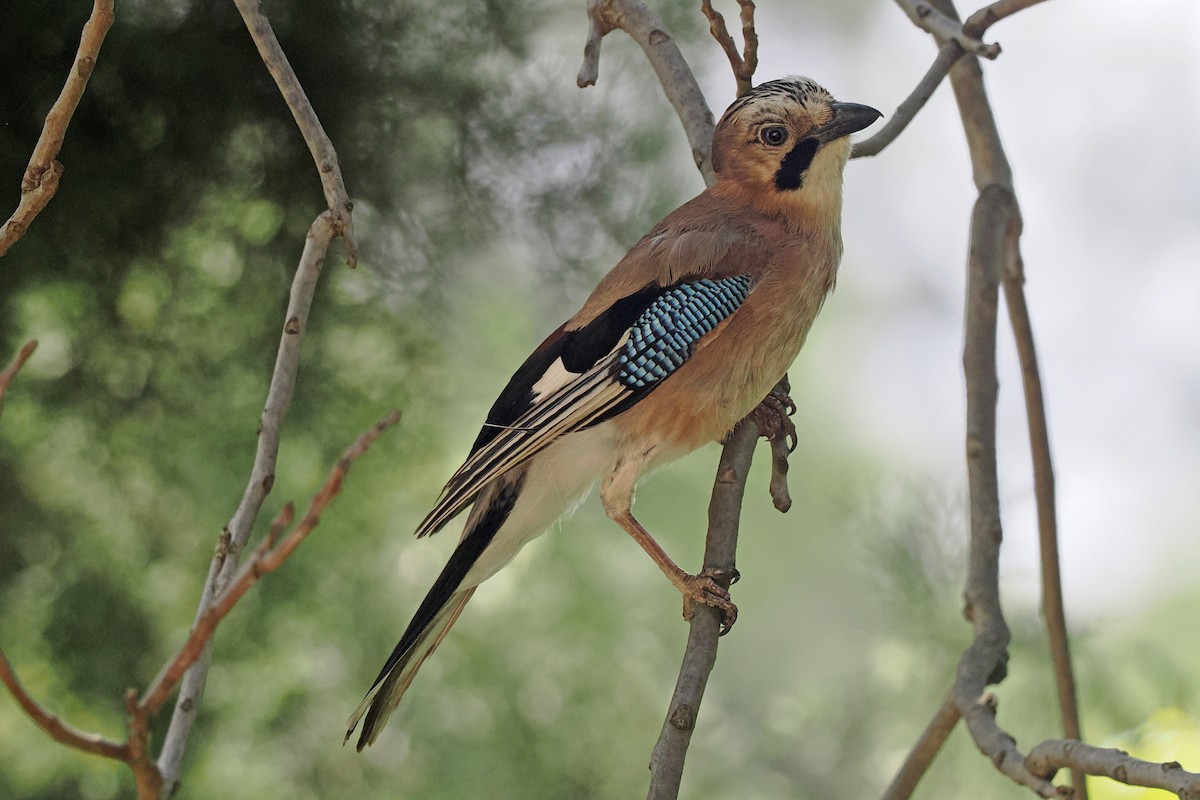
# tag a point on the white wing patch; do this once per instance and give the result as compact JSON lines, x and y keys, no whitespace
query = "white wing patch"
{"x":556,"y":377}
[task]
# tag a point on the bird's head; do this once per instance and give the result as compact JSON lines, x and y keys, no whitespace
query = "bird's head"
{"x":784,"y":144}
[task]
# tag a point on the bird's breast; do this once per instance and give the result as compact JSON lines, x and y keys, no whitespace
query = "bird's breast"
{"x":735,"y":367}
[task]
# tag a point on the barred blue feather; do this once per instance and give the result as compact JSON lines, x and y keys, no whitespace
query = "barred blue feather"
{"x":663,"y":337}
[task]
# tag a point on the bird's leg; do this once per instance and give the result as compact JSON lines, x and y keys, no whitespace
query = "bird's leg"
{"x":616,"y":495}
{"x":702,"y":588}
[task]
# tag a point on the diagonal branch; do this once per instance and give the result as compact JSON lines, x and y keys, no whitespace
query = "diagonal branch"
{"x":41,"y":176}
{"x":947,"y":57}
{"x":924,"y":751}
{"x":319,"y":145}
{"x":10,"y":372}
{"x":334,"y":222}
{"x":262,"y":478}
{"x":646,"y":28}
{"x":267,"y":557}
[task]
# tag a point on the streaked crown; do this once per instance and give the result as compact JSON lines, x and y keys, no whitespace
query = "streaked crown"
{"x":786,"y":133}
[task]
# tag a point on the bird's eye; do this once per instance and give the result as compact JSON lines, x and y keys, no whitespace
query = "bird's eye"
{"x":773,"y":135}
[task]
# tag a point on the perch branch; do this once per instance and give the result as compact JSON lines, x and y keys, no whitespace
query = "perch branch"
{"x":40,"y":182}
{"x":1048,"y":757}
{"x":924,"y":751}
{"x":724,"y":512}
{"x":745,"y":63}
{"x":679,"y":84}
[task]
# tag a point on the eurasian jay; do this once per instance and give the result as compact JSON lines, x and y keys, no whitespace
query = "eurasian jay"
{"x":680,"y":341}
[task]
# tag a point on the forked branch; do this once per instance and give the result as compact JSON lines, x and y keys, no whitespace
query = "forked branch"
{"x":678,"y":82}
{"x":745,"y":63}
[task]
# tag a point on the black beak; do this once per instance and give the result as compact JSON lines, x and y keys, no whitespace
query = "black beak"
{"x":847,"y":118}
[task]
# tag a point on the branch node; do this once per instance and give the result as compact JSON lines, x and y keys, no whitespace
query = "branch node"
{"x":683,"y":718}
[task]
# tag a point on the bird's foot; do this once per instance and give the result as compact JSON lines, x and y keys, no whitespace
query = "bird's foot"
{"x":772,"y":418}
{"x":705,"y":588}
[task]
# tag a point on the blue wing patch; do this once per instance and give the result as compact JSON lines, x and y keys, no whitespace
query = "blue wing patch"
{"x":663,"y":337}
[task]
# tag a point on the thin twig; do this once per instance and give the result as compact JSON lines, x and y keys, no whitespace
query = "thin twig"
{"x":40,"y":182}
{"x":978,"y":23}
{"x":58,"y":730}
{"x":945,"y":27}
{"x":267,"y":557}
{"x":1053,"y":607}
{"x":924,"y":751}
{"x":1048,"y":757}
{"x":646,"y":28}
{"x":948,"y":55}
{"x":724,"y":513}
{"x":319,"y":145}
{"x":10,"y":372}
{"x":745,"y":63}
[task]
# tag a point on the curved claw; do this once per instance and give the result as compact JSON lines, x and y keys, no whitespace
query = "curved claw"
{"x":771,"y":417}
{"x":704,"y":588}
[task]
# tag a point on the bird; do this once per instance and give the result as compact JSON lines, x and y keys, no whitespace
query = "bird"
{"x":682,"y":339}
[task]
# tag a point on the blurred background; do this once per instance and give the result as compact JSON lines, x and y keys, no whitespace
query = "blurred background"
{"x":490,"y":194}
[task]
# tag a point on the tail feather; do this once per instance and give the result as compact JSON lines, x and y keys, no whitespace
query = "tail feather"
{"x":385,"y":695}
{"x":438,"y":611}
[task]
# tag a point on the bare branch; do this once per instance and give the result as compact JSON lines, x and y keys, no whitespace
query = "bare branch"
{"x":679,"y":84}
{"x":318,"y":142}
{"x":743,"y":64}
{"x":995,"y":233}
{"x":146,"y":777}
{"x":724,"y":513}
{"x":948,"y":55}
{"x":262,"y":478}
{"x":41,"y":176}
{"x":267,"y":557}
{"x":945,"y":27}
{"x":924,"y":751}
{"x":1048,"y":757}
{"x":10,"y":372}
{"x":978,"y":23}
{"x":58,"y":730}
{"x":1043,"y":476}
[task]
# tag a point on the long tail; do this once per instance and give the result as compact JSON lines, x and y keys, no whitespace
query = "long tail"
{"x":438,"y":611}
